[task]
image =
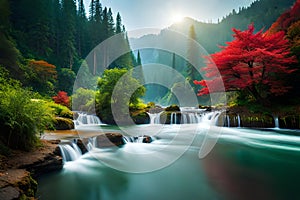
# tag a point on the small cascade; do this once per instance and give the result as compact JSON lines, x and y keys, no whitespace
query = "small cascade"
{"x":191,"y":115}
{"x":276,"y":121}
{"x":70,"y":151}
{"x":238,"y":121}
{"x":154,"y":118}
{"x":173,"y":119}
{"x":211,"y":118}
{"x":92,"y":143}
{"x":228,"y":120}
{"x":86,"y":119}
{"x":185,"y":116}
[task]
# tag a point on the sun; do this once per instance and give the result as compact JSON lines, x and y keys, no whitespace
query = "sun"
{"x":177,"y":18}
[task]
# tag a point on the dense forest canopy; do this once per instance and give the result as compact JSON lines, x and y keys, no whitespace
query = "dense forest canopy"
{"x":59,"y":32}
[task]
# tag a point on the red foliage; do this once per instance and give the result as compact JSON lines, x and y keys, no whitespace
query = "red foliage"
{"x":286,"y":19}
{"x":43,"y":69}
{"x":252,"y":61}
{"x":62,"y":98}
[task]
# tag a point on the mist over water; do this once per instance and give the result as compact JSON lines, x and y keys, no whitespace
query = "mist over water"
{"x":245,"y":164}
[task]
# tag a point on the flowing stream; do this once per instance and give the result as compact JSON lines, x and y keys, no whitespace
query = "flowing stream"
{"x":244,"y":164}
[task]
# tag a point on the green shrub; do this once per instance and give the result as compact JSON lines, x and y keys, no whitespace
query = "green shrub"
{"x":83,"y":100}
{"x":60,"y":110}
{"x":22,"y":117}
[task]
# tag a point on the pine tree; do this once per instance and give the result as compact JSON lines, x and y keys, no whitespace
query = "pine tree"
{"x":92,"y":10}
{"x":81,"y":30}
{"x":110,"y":23}
{"x":98,"y":12}
{"x":56,"y":31}
{"x":118,"y":24}
{"x":193,"y":55}
{"x":8,"y":52}
{"x":68,"y":51}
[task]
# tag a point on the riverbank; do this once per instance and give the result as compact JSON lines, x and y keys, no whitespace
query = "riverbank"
{"x":19,"y":170}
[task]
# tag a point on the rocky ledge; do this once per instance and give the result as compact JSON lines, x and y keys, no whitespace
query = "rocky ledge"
{"x":17,"y":171}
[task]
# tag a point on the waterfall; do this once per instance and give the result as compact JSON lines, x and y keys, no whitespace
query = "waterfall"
{"x":173,"y":119}
{"x":211,"y":118}
{"x":228,"y":120}
{"x":154,"y":118}
{"x":92,"y":143}
{"x":238,"y":121}
{"x":70,"y":152}
{"x":86,"y":119}
{"x":184,"y":119}
{"x":188,"y":115}
{"x":276,"y":120}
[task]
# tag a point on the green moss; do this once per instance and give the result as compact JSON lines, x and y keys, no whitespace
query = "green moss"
{"x":63,"y":123}
{"x":173,"y":108}
{"x":28,"y":187}
{"x":60,"y":110}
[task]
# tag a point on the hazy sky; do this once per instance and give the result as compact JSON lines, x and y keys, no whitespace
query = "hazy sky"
{"x":137,"y":14}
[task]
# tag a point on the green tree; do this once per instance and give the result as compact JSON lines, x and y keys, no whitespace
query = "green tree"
{"x":193,"y":54}
{"x":81,"y":30}
{"x":92,"y":10}
{"x":9,"y":54}
{"x":119,"y":82}
{"x":83,"y":100}
{"x":68,"y":51}
{"x":108,"y":23}
{"x":118,"y":24}
{"x":66,"y":78}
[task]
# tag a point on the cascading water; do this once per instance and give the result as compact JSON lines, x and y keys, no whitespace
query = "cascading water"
{"x":228,"y":120}
{"x":173,"y":119}
{"x":154,"y":118}
{"x":70,"y":151}
{"x":87,"y":120}
{"x":189,"y":115}
{"x":276,"y":121}
{"x":238,"y":121}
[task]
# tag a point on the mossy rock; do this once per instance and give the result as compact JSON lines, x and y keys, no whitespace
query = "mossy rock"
{"x":208,"y":108}
{"x":141,"y":118}
{"x":289,"y":121}
{"x":173,"y":108}
{"x":66,"y":114}
{"x":28,"y":187}
{"x":61,"y":123}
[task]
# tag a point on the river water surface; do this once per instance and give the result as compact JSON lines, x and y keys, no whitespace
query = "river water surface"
{"x":244,"y":164}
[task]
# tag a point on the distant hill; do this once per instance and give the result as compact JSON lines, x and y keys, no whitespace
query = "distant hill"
{"x":262,"y":13}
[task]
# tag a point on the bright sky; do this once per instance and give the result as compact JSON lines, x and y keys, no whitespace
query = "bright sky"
{"x":138,"y":14}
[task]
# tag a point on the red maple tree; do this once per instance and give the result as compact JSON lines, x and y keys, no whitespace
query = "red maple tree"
{"x":252,"y":62}
{"x":286,"y":19}
{"x":62,"y":98}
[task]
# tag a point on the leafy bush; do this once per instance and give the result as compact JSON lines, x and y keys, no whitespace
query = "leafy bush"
{"x":60,"y":110}
{"x":21,"y":116}
{"x":83,"y":100}
{"x":62,"y":98}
